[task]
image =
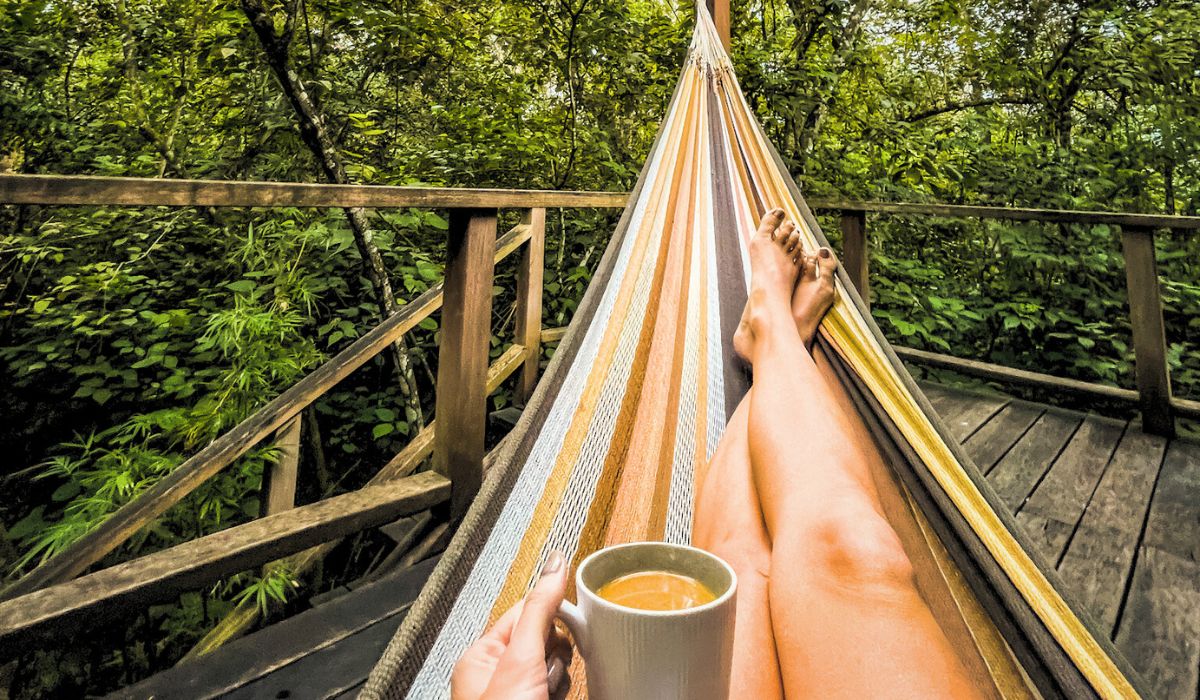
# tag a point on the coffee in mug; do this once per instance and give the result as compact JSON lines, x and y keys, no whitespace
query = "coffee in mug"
{"x":656,"y":590}
{"x":654,"y":622}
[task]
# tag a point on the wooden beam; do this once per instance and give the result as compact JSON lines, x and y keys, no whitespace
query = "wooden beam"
{"x":279,"y":479}
{"x":529,"y":300}
{"x":1149,"y":334}
{"x":719,"y":9}
{"x":854,"y":251}
{"x":1018,"y":377}
{"x":1066,"y":216}
{"x":69,"y":607}
{"x":153,"y":502}
{"x":463,"y":354}
{"x":553,"y":335}
{"x":155,"y":192}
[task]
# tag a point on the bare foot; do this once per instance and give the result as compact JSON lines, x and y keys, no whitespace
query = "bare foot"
{"x":774,"y":264}
{"x":814,"y":293}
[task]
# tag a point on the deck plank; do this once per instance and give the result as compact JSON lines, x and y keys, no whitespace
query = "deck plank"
{"x":1099,"y":557}
{"x":994,"y":439}
{"x":1016,"y":474}
{"x":962,"y":412}
{"x":273,"y":650}
{"x":1052,"y":512}
{"x":1160,"y":628}
{"x":1174,"y":523}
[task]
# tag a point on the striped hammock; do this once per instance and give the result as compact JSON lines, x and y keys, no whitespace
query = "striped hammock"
{"x":635,"y":400}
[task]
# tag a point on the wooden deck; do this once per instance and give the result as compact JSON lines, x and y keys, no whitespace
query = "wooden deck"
{"x":1117,"y":512}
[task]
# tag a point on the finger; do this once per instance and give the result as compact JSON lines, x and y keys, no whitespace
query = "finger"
{"x":558,"y":664}
{"x":541,"y":605}
{"x":770,"y":222}
{"x":502,"y":630}
{"x":556,"y":671}
{"x":564,"y":686}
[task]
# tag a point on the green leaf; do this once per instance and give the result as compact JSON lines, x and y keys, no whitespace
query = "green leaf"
{"x":383,"y":429}
{"x":65,"y":492}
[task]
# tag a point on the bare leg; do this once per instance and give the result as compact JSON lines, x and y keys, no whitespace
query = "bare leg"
{"x":728,"y":522}
{"x":847,"y":617}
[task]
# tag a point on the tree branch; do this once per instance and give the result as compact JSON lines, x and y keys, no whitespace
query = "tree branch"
{"x":968,"y":104}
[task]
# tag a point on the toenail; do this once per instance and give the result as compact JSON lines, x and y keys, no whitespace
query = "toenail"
{"x":824,"y":252}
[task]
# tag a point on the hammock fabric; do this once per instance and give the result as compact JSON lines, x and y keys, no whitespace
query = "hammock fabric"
{"x":635,"y":400}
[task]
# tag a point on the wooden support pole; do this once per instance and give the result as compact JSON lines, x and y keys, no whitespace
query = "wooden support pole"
{"x":1149,"y":334}
{"x":719,"y":9}
{"x":463,"y":354}
{"x":529,"y":300}
{"x":279,"y":479}
{"x":854,"y":251}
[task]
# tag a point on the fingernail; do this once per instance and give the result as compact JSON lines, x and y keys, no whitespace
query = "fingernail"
{"x":553,"y":564}
{"x":824,"y":252}
{"x":554,"y":674}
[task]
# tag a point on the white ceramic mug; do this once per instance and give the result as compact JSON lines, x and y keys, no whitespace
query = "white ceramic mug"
{"x":634,"y":654}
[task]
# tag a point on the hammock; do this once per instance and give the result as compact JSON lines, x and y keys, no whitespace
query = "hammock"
{"x":633,"y":404}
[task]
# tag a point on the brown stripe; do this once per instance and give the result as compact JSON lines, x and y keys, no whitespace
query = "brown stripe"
{"x":731,"y":278}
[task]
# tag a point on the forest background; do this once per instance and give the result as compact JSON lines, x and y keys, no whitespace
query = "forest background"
{"x":130,"y":337}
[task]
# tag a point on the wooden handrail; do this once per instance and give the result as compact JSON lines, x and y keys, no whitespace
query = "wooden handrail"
{"x":1064,"y":216}
{"x":1019,"y":377}
{"x":1153,"y":377}
{"x":408,"y":459}
{"x":86,"y":190}
{"x":64,"y":608}
{"x":218,"y":454}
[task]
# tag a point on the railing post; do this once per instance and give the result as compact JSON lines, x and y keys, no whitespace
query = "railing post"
{"x":461,"y":409}
{"x":529,"y":300}
{"x":1149,"y":334}
{"x":279,"y":479}
{"x":854,"y":251}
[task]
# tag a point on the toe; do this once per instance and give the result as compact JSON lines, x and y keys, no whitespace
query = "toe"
{"x":828,"y":262}
{"x":770,"y":222}
{"x":784,"y":231}
{"x":793,"y":243}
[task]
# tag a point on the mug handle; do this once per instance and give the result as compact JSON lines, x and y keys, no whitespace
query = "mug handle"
{"x":572,"y":616}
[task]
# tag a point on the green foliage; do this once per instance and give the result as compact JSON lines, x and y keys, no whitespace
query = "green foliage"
{"x":130,"y":338}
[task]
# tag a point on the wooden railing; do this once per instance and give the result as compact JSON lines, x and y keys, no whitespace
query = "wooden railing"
{"x":51,"y":601}
{"x":1158,"y":408}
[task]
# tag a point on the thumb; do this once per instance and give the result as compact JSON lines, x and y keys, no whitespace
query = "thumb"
{"x":541,"y":604}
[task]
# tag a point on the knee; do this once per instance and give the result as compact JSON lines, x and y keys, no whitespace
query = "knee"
{"x":854,"y":547}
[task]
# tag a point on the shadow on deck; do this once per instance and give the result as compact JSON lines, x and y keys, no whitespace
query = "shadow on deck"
{"x":1117,"y":511}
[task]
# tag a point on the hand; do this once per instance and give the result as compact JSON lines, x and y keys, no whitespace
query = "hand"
{"x":522,"y":656}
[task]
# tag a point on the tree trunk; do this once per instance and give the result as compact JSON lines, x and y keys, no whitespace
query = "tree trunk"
{"x":317,"y":138}
{"x":843,"y":44}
